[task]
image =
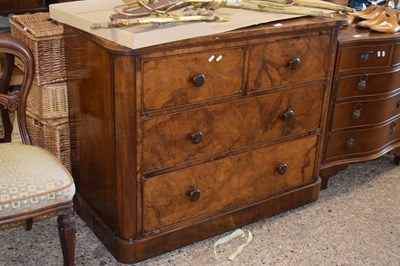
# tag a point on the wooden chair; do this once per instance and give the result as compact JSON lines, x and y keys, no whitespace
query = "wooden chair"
{"x":32,"y":181}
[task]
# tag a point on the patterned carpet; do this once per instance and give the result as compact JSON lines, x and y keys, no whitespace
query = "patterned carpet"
{"x":355,"y":222}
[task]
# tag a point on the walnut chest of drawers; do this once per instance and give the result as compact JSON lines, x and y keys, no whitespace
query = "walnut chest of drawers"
{"x":176,"y":143}
{"x":365,"y":104}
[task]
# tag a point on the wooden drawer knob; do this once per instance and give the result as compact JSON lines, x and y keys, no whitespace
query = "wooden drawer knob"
{"x":350,"y":143}
{"x":196,"y":137}
{"x":364,"y":57}
{"x":198,"y":80}
{"x":398,"y":105}
{"x":294,"y":63}
{"x":288,"y":115}
{"x":194,"y":195}
{"x":282,"y":168}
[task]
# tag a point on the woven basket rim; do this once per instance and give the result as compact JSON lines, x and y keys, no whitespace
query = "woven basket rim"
{"x":37,"y":25}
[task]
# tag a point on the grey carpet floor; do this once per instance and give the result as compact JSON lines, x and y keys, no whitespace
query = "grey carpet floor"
{"x":356,"y":221}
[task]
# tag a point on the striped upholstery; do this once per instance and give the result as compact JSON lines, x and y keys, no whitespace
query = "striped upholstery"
{"x":31,"y":178}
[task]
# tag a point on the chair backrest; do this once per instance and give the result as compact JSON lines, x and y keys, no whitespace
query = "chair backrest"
{"x":11,"y":48}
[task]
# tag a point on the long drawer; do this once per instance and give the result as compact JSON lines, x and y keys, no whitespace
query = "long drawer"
{"x":367,"y":112}
{"x":357,"y":143}
{"x":172,"y":139}
{"x":367,"y":84}
{"x":196,"y":191}
{"x":364,"y":57}
{"x":192,"y":78}
{"x":287,"y":62}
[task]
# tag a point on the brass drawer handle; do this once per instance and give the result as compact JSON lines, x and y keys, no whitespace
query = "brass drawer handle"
{"x":288,"y":115}
{"x":393,"y":127}
{"x":357,"y":111}
{"x":294,"y":63}
{"x":198,"y":80}
{"x":362,"y":84}
{"x":350,"y":143}
{"x":364,"y":57}
{"x":196,"y":137}
{"x":282,"y":168}
{"x":194,"y":195}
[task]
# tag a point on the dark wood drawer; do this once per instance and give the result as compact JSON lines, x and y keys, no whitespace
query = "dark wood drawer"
{"x":368,"y":112}
{"x":203,"y":189}
{"x":368,"y":84}
{"x":396,"y":58}
{"x":368,"y":56}
{"x":358,"y":143}
{"x":192,"y":78}
{"x":270,"y":63}
{"x":167,"y":140}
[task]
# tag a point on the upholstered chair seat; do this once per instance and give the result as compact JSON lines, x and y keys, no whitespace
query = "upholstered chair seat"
{"x":25,"y":187}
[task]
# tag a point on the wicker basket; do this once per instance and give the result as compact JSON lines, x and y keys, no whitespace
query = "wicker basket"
{"x":46,"y":41}
{"x":52,"y":135}
{"x":49,"y":100}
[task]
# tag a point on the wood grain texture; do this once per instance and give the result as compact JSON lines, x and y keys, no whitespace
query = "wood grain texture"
{"x":370,"y":112}
{"x":373,"y":131}
{"x":226,"y":182}
{"x":227,"y":127}
{"x":376,"y":84}
{"x":350,"y":57}
{"x":168,"y":81}
{"x":269,"y":63}
{"x":366,"y":141}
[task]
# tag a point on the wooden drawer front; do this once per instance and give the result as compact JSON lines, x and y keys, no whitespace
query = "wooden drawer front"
{"x":270,"y":63}
{"x":212,"y":186}
{"x":168,"y":139}
{"x":365,"y":112}
{"x":192,"y":78}
{"x":359,"y":142}
{"x":360,"y":57}
{"x":396,"y":58}
{"x":368,"y":84}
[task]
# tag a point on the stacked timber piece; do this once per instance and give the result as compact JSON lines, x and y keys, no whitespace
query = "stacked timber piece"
{"x":47,"y":108}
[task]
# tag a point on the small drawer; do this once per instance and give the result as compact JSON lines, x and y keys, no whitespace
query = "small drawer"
{"x":200,"y":190}
{"x":358,"y":143}
{"x":192,"y":78}
{"x":396,"y":58}
{"x":174,"y":139}
{"x":369,"y":56}
{"x":288,"y":62}
{"x":367,"y":84}
{"x":361,"y":113}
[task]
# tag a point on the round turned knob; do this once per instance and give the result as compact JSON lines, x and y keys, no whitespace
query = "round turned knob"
{"x":350,"y":143}
{"x":194,"y":195}
{"x":198,"y":80}
{"x":398,"y":104}
{"x":282,"y":168}
{"x":196,"y":137}
{"x":364,"y":57}
{"x":294,"y":63}
{"x":288,"y":115}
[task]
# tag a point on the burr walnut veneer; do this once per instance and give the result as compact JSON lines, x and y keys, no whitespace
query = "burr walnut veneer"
{"x":364,"y":111}
{"x":175,"y":143}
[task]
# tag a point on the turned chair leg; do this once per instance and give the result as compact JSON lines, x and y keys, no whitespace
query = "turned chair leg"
{"x":66,"y":231}
{"x":28,"y":224}
{"x":397,"y":160}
